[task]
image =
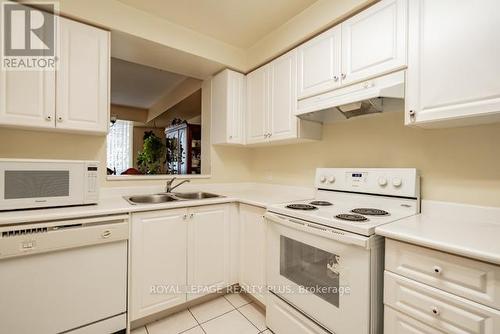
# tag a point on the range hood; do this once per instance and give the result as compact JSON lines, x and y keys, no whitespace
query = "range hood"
{"x":368,"y":97}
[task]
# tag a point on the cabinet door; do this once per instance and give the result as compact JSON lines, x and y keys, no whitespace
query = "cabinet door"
{"x":228,"y":105}
{"x":83,"y":78}
{"x":283,"y":97}
{"x":158,"y":261}
{"x":257,"y":105}
{"x":209,"y":245}
{"x":236,"y":109}
{"x":319,"y":64}
{"x":453,"y":63}
{"x":252,"y":251}
{"x":374,"y":41}
{"x":27,"y":99}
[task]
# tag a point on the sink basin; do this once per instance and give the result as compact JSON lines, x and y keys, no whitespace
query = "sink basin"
{"x":151,"y":199}
{"x":196,"y":195}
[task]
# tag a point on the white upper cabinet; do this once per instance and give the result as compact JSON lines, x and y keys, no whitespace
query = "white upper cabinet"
{"x":283,"y":97}
{"x":257,"y":105}
{"x":228,"y":108}
{"x":319,"y":64}
{"x":209,"y":249}
{"x":83,"y":78}
{"x":272,"y":102}
{"x":74,"y":97}
{"x":453,"y":63}
{"x":27,"y":99}
{"x":374,"y":41}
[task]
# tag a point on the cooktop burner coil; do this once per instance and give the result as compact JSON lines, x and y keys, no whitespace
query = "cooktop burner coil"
{"x":370,"y":212}
{"x":321,"y":203}
{"x":301,"y":207}
{"x":351,"y":217}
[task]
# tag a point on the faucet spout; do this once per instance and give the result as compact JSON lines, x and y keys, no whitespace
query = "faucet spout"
{"x":169,"y":186}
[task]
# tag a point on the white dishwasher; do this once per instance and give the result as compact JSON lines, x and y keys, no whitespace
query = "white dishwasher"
{"x":64,"y":277}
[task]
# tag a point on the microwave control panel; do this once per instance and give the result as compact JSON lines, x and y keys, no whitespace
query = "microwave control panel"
{"x":92,"y":173}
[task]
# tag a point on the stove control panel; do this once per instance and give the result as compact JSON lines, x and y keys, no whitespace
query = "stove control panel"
{"x":404,"y":182}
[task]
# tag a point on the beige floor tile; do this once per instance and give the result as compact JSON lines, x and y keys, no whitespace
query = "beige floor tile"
{"x":230,"y":323}
{"x":173,"y":324}
{"x":196,"y":330}
{"x":140,"y":330}
{"x":255,"y":314}
{"x":211,"y":309}
{"x":238,"y":299}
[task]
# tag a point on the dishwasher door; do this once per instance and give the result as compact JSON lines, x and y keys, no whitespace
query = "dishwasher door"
{"x":64,"y":276}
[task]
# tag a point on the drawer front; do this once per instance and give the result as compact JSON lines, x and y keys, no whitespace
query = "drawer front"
{"x":399,"y":323}
{"x":439,"y":309}
{"x":281,"y":318}
{"x":474,"y":280}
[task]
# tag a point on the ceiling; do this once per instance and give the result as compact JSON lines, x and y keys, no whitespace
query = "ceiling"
{"x":236,"y":22}
{"x":139,"y":86}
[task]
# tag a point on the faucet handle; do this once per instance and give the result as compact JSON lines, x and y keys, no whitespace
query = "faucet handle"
{"x":171,"y":181}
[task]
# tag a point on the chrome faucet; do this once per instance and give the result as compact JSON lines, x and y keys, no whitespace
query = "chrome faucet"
{"x":169,"y":187}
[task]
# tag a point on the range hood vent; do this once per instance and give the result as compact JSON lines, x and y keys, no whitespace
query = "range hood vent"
{"x":365,"y":98}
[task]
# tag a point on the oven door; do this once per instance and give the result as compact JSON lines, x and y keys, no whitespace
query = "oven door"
{"x":322,"y":272}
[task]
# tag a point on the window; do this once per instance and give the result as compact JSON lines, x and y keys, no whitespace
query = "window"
{"x":119,"y":146}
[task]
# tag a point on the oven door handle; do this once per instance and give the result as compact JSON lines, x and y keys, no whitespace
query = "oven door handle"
{"x":320,"y":230}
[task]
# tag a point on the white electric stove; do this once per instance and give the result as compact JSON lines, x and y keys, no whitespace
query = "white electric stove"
{"x":325,"y":263}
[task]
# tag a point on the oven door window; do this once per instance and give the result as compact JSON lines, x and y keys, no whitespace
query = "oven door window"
{"x":311,"y":268}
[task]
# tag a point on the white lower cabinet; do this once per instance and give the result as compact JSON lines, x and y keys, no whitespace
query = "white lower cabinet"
{"x":253,"y":251}
{"x":398,"y":323}
{"x":158,"y":261}
{"x":209,"y":250}
{"x":178,"y":250}
{"x":447,"y":293}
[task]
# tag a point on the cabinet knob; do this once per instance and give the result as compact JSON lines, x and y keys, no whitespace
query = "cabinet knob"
{"x":412,"y":114}
{"x":335,"y":78}
{"x":48,"y":118}
{"x":435,"y":310}
{"x":185,"y":216}
{"x":191,"y":216}
{"x":437,"y":269}
{"x":230,"y":137}
{"x":59,"y":119}
{"x":343,"y":75}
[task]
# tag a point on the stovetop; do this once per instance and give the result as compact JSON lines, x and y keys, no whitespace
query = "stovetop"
{"x":357,"y":213}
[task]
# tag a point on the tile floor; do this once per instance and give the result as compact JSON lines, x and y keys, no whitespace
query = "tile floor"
{"x":232,"y":313}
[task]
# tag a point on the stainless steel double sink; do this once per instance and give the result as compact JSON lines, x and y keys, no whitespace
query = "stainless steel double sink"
{"x":169,"y":197}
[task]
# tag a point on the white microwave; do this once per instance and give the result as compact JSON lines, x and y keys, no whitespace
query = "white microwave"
{"x":29,"y":184}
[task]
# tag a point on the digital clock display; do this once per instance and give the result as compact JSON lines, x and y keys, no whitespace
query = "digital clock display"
{"x":357,"y":175}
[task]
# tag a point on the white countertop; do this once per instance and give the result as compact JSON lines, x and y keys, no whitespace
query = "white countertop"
{"x":112,"y":201}
{"x":466,"y":230}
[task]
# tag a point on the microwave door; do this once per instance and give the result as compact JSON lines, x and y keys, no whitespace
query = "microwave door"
{"x":32,"y":185}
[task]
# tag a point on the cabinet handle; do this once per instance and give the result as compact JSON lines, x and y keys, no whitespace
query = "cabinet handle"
{"x":191,"y":216}
{"x":435,"y":310}
{"x":335,"y":78}
{"x":412,"y":115}
{"x":48,"y":118}
{"x":437,"y":269}
{"x":59,"y":119}
{"x":230,"y":137}
{"x":185,"y":216}
{"x":343,"y":75}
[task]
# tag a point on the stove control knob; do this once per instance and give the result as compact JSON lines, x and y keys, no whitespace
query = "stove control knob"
{"x":322,"y":179}
{"x":382,"y":181}
{"x":331,"y":179}
{"x":397,"y":182}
